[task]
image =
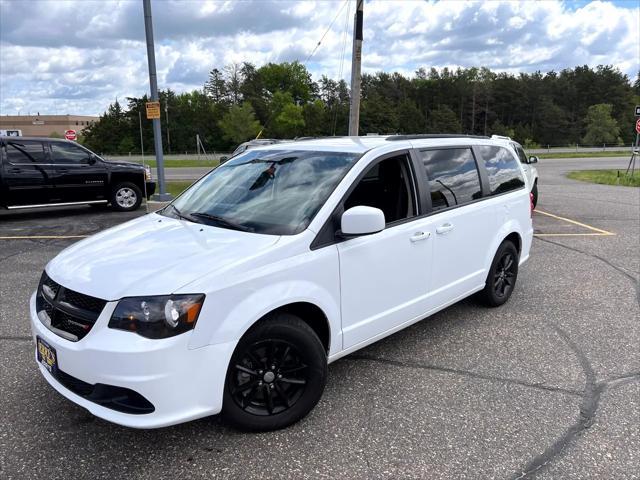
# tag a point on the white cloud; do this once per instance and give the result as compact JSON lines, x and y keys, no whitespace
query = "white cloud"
{"x":77,"y":56}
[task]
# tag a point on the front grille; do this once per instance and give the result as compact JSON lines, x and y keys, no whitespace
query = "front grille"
{"x":80,"y":300}
{"x":68,"y":311}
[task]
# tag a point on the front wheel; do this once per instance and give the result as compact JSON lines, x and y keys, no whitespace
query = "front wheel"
{"x":502,"y":275}
{"x":534,"y":191}
{"x":276,"y":375}
{"x":126,"y":197}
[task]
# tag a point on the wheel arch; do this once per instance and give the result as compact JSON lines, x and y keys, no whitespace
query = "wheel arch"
{"x":309,"y":313}
{"x":245,"y":307}
{"x":516,"y":239}
{"x":122,"y":177}
{"x":509,"y":231}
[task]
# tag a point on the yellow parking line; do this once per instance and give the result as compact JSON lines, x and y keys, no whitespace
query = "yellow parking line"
{"x":574,"y":222}
{"x":43,"y":237}
{"x":572,"y":234}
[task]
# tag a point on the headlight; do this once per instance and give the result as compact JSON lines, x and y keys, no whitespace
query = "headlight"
{"x":147,"y":173}
{"x":157,"y":317}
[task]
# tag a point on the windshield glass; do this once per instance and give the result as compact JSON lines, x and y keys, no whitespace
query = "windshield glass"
{"x":264,"y":191}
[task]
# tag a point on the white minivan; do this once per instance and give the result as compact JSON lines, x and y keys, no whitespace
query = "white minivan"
{"x":236,"y":296}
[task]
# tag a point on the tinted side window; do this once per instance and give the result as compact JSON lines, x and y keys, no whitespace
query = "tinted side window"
{"x":521,"y":155}
{"x":387,"y":186}
{"x":25,"y":152}
{"x":68,"y":153}
{"x":502,"y":168}
{"x":453,"y":176}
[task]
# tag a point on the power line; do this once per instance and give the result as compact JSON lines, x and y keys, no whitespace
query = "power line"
{"x":344,"y":48}
{"x":325,"y":33}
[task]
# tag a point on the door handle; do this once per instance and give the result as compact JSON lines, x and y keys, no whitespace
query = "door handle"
{"x":418,"y":236}
{"x":442,"y":229}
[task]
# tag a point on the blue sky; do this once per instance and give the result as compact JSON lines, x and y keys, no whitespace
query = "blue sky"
{"x":77,"y":56}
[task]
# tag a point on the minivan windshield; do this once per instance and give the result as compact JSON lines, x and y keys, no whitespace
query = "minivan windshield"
{"x":264,"y":191}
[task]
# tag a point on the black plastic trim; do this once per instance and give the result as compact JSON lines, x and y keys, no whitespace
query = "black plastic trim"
{"x":115,"y":398}
{"x":434,"y":135}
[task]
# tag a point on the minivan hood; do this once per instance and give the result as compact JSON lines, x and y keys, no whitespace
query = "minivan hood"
{"x":151,"y":255}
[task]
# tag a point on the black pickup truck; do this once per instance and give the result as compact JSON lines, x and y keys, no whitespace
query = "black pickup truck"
{"x":38,"y":172}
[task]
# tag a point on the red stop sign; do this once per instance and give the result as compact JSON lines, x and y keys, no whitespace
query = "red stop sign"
{"x":70,"y":135}
{"x":638,"y":125}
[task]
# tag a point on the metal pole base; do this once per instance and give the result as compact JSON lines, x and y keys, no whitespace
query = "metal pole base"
{"x":162,"y":197}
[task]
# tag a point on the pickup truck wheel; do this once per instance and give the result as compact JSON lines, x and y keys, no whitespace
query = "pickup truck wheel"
{"x":126,"y":197}
{"x":534,"y":190}
{"x":502,"y":276}
{"x":276,"y":375}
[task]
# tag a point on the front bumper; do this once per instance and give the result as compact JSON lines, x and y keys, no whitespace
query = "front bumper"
{"x":182,"y":384}
{"x":151,"y":189}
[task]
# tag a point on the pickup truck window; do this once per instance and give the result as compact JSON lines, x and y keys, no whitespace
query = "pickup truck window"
{"x":24,"y":151}
{"x":68,"y":153}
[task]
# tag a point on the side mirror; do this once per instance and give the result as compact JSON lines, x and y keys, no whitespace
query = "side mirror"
{"x":362,"y":220}
{"x":533,"y":159}
{"x":223,"y":159}
{"x":91,"y":160}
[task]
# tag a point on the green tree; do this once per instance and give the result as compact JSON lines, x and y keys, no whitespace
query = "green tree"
{"x":287,"y":117}
{"x":239,"y":124}
{"x":601,"y":126}
{"x":538,"y":108}
{"x":215,"y":86}
{"x":315,"y":119}
{"x":443,"y":120}
{"x":292,"y":78}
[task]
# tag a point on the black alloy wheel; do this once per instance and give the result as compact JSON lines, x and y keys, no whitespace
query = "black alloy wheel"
{"x":269,"y":378}
{"x":505,"y":274}
{"x":502,"y":276}
{"x":276,"y":375}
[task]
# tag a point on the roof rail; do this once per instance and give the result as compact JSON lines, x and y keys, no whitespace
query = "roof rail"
{"x":500,"y":137}
{"x":433,"y":135}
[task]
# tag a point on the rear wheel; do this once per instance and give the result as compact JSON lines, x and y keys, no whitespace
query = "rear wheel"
{"x":502,"y":275}
{"x":126,"y":197}
{"x":276,"y":375}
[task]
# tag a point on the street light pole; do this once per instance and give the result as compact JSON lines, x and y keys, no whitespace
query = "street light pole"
{"x":153,"y":82}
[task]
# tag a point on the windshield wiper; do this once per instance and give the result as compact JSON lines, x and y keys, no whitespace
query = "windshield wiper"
{"x":221,"y":221}
{"x":178,"y":213}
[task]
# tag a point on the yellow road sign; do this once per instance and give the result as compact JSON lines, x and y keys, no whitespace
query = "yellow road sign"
{"x":153,"y":110}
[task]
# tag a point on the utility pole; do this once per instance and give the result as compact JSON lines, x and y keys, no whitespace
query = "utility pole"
{"x":162,"y":196}
{"x":356,"y":67}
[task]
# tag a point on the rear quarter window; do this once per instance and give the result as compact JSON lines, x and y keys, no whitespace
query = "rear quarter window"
{"x":452,"y":175}
{"x":502,"y":168}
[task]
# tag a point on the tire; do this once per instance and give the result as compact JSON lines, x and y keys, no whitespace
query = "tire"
{"x":274,"y":398}
{"x":534,"y":190}
{"x":126,"y":197}
{"x":502,"y":276}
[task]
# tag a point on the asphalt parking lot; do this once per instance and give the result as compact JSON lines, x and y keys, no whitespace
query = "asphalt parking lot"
{"x":547,"y":386}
